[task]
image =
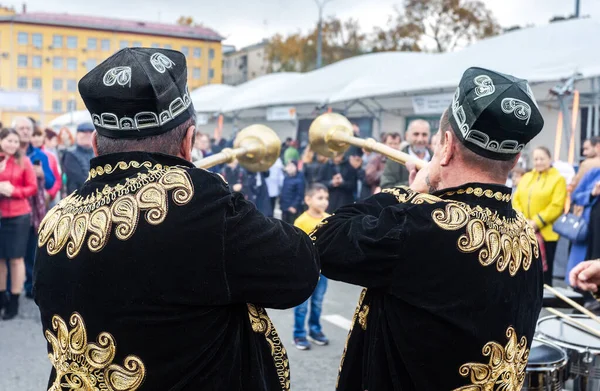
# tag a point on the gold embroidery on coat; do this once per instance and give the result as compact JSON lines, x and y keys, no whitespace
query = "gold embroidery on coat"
{"x":362,"y":316}
{"x":505,"y":370}
{"x":406,"y":195}
{"x":108,"y":169}
{"x":354,"y":318}
{"x":261,"y":323}
{"x":508,"y":242}
{"x":121,"y":205}
{"x":81,"y":365}
{"x":312,"y":234}
{"x":479,"y":192}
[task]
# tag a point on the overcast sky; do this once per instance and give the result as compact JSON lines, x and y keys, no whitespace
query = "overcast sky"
{"x":245,"y":22}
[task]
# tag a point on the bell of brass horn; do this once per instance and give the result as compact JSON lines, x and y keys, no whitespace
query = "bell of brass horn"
{"x":256,"y":147}
{"x":331,"y":134}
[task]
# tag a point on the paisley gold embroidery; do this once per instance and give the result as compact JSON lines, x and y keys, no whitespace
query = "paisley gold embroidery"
{"x":357,"y":313}
{"x":108,"y":169}
{"x":262,"y":324}
{"x":479,"y":192}
{"x":312,"y":235}
{"x":508,"y":242}
{"x":406,"y":195}
{"x":121,"y":205}
{"x":81,"y":365}
{"x":505,"y":370}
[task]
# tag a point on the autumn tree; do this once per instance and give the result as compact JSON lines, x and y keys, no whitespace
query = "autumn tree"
{"x":298,"y":52}
{"x":442,"y":25}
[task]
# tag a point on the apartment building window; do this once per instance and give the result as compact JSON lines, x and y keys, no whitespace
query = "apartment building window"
{"x":105,"y":45}
{"x":211,"y":73}
{"x":136,"y":44}
{"x":92,"y":44}
{"x":211,"y":53}
{"x":155,"y":46}
{"x":23,"y":38}
{"x":22,"y":61}
{"x":57,"y":84}
{"x":37,"y":40}
{"x":36,"y":83}
{"x":57,"y":41}
{"x":72,"y":63}
{"x":185,"y":50}
{"x":196,"y":73}
{"x":57,"y":63}
{"x":197,"y":52}
{"x":168,"y":47}
{"x":36,"y":61}
{"x":71,"y":105}
{"x":71,"y":85}
{"x":91,"y":64}
{"x":57,"y":106}
{"x":123,"y":44}
{"x":71,"y":42}
{"x":22,"y":83}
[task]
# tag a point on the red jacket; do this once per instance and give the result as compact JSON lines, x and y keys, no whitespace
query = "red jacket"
{"x":25,"y":185}
{"x":53,"y":161}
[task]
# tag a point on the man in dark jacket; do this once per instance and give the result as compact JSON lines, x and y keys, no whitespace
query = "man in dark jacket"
{"x":417,"y":135}
{"x":452,"y":273}
{"x":76,"y":160}
{"x":341,"y":179}
{"x":153,"y":275}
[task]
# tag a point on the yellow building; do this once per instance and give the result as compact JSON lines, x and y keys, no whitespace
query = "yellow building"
{"x":43,"y":56}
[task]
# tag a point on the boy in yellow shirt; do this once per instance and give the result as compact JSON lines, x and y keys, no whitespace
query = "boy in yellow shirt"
{"x":316,"y":198}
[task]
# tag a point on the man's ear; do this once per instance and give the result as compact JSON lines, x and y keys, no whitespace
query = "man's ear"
{"x":449,"y":148}
{"x":187,"y":144}
{"x":516,"y":161}
{"x":95,"y":142}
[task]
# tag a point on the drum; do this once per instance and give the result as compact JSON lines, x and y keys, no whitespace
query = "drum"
{"x":582,"y":348}
{"x":546,"y":368}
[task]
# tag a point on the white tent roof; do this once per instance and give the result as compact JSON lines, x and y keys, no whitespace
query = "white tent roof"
{"x":545,"y":53}
{"x":211,"y":98}
{"x":68,"y":119}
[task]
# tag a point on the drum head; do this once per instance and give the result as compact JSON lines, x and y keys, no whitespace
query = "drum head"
{"x":545,"y":353}
{"x":562,"y":333}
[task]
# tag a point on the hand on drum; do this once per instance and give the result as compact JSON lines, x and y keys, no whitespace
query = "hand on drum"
{"x":586,"y":276}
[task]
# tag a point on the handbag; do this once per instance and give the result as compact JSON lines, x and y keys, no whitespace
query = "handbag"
{"x":572,"y":227}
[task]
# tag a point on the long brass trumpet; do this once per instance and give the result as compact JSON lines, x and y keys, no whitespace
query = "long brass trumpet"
{"x":331,"y":134}
{"x":256,"y":147}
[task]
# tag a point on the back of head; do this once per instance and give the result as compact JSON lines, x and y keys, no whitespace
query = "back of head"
{"x":139,"y":101}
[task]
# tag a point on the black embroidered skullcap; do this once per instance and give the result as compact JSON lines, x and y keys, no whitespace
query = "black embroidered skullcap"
{"x":137,"y":93}
{"x":493,"y":114}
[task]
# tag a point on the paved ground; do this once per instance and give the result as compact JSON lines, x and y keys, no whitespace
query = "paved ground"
{"x":24,"y":364}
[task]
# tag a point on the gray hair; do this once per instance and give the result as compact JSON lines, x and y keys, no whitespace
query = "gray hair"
{"x":21,"y":118}
{"x":168,"y":143}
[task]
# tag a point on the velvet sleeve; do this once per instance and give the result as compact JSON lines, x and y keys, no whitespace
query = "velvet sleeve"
{"x":29,"y":185}
{"x":360,"y":244}
{"x":267,"y":262}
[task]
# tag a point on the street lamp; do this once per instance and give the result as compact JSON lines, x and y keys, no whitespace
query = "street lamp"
{"x":321,"y":5}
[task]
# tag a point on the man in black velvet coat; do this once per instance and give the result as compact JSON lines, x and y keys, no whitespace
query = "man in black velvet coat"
{"x":154,"y":275}
{"x":452,"y":274}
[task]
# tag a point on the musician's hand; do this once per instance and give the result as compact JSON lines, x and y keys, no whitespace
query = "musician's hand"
{"x":412,"y":171}
{"x":586,"y":276}
{"x":420,"y":178}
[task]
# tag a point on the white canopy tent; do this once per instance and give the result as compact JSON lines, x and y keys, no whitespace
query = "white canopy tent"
{"x":71,"y":120}
{"x":211,"y":98}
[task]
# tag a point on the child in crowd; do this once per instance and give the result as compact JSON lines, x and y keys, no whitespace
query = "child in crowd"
{"x":317,"y":200}
{"x":290,"y":199}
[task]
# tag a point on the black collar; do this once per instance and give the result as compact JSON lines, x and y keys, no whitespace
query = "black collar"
{"x":485,"y":194}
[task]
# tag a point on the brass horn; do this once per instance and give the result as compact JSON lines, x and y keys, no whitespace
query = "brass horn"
{"x":331,"y":134}
{"x":256,"y":147}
